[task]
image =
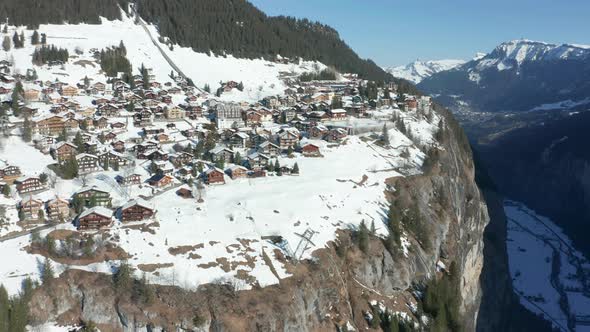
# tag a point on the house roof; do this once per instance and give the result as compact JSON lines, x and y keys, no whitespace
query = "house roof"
{"x":139,"y":202}
{"x":100,"y":210}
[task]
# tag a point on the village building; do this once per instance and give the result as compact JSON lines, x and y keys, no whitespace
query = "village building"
{"x":288,"y":139}
{"x":87,"y":163}
{"x":161,"y":180}
{"x":311,"y":150}
{"x":95,"y":218}
{"x":137,"y":210}
{"x":58,"y":209}
{"x":31,"y":208}
{"x":64,"y":151}
{"x":92,"y":196}
{"x":214,"y":176}
{"x":269,"y":149}
{"x":28,"y":184}
{"x":237,"y":172}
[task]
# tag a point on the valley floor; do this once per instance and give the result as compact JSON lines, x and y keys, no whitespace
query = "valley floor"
{"x":549,"y":275}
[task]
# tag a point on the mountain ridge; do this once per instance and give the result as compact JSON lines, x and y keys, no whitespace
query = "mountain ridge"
{"x":418,"y":70}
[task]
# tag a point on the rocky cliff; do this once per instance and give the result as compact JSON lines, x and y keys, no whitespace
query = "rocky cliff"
{"x":339,"y":288}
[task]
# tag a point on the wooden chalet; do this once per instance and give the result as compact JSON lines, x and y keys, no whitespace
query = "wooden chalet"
{"x":137,"y":210}
{"x":28,"y":184}
{"x":95,"y":218}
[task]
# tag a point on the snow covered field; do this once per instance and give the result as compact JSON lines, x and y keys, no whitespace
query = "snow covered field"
{"x":546,"y":270}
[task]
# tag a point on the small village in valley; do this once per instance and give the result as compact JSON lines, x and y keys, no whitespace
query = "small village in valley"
{"x":110,"y":158}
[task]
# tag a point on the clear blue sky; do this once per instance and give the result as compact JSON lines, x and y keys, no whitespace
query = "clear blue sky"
{"x":393,"y":32}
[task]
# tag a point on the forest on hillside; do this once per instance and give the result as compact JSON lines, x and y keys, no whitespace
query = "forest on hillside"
{"x":237,"y":27}
{"x":219,"y":26}
{"x":31,"y":13}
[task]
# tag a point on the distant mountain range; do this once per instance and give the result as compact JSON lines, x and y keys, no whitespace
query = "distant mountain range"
{"x":418,"y":70}
{"x":519,"y":75}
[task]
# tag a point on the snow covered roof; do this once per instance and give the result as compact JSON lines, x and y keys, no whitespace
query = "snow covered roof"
{"x":140,"y":202}
{"x":100,"y":210}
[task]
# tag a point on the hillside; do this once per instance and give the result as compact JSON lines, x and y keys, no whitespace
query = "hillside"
{"x":209,"y":26}
{"x":519,"y":75}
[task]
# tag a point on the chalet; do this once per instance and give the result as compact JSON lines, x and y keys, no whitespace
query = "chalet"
{"x":162,"y":138}
{"x":113,"y":159}
{"x":92,"y":196}
{"x":9,"y":173}
{"x":311,"y":150}
{"x":49,"y":125}
{"x":71,"y":123}
{"x":90,"y":147}
{"x":288,"y":139}
{"x":109,"y":137}
{"x":258,"y":161}
{"x":336,"y":135}
{"x":128,"y":180}
{"x":69,"y":91}
{"x":153,"y":155}
{"x":318,"y":116}
{"x":58,"y":209}
{"x":30,"y":208}
{"x":28,"y":184}
{"x":64,"y":151}
{"x":252,"y":117}
{"x":99,"y":87}
{"x":222,"y":153}
{"x":239,"y":140}
{"x":214,"y":176}
{"x":95,"y":218}
{"x":87,"y":163}
{"x":160,"y":180}
{"x":337,"y":114}
{"x":174,"y":113}
{"x":118,"y":125}
{"x":185,"y":193}
{"x":318,"y":131}
{"x":101,"y":123}
{"x":181,"y":159}
{"x":237,"y":172}
{"x":269,"y":149}
{"x":118,"y":146}
{"x":32,"y":94}
{"x":137,"y":210}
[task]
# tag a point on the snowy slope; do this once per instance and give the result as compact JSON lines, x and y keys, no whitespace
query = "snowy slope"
{"x":418,"y":70}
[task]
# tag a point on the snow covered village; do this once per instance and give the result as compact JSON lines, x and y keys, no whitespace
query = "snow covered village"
{"x":190,"y":168}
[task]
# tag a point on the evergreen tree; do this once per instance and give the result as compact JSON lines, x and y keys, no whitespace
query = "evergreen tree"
{"x":207,"y":88}
{"x":35,"y":38}
{"x":376,"y":320}
{"x":27,"y":130}
{"x":43,"y":178}
{"x":43,"y":39}
{"x":4,"y":309}
{"x":78,"y":141}
{"x":363,"y":237}
{"x":50,"y":244}
{"x":295,"y":169}
{"x":5,"y":28}
{"x":385,"y":135}
{"x":22,"y":39}
{"x":16,"y":40}
{"x":373,"y":230}
{"x":241,"y":86}
{"x":237,"y":159}
{"x":123,"y":278}
{"x":6,"y":44}
{"x":6,"y":190}
{"x":63,"y":136}
{"x":47,"y":273}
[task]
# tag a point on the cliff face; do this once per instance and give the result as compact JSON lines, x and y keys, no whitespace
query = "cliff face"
{"x":332,"y":290}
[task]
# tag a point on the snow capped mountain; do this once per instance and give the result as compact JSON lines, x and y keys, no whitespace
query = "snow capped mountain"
{"x":418,"y":70}
{"x":517,"y":75}
{"x":514,"y":53}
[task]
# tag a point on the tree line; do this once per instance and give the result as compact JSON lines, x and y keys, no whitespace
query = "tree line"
{"x":48,"y":54}
{"x":113,"y":60}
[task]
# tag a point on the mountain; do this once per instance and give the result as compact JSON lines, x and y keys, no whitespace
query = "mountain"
{"x":418,"y":70}
{"x":222,"y":27}
{"x":519,"y":75}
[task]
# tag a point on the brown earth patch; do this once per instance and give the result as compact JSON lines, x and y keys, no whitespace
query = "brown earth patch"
{"x":154,"y":267}
{"x":181,"y":250}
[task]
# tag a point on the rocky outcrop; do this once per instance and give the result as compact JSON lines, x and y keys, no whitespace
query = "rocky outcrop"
{"x":331,"y":290}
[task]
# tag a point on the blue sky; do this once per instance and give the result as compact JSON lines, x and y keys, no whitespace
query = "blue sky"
{"x":394,"y":32}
